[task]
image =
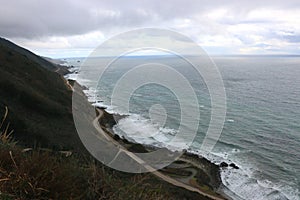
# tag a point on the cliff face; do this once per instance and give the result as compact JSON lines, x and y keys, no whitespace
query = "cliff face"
{"x":38,"y":99}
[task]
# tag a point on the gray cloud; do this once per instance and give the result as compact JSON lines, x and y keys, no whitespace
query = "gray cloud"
{"x":292,"y":38}
{"x":35,"y":18}
{"x":233,"y":26}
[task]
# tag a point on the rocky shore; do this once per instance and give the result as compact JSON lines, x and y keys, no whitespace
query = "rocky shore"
{"x":190,"y":169}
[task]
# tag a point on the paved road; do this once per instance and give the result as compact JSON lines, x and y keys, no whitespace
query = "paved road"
{"x":141,"y":162}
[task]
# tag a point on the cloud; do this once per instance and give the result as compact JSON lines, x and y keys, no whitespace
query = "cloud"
{"x":292,"y":38}
{"x":70,"y":24}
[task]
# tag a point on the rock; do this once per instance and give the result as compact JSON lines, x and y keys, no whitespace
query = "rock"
{"x":234,"y":166}
{"x":137,"y":148}
{"x":101,"y":107}
{"x":116,"y":137}
{"x":125,"y":140}
{"x":223,"y":164}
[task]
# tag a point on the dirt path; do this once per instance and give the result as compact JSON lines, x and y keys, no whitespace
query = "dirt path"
{"x":140,"y":161}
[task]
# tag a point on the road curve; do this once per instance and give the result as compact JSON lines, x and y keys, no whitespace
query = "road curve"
{"x":140,"y":161}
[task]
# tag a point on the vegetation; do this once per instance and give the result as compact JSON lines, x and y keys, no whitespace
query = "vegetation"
{"x":40,"y":113}
{"x":39,"y":101}
{"x":41,"y":174}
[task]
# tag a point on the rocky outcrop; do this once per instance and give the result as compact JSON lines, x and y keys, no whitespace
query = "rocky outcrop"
{"x":234,"y":166}
{"x":224,"y":164}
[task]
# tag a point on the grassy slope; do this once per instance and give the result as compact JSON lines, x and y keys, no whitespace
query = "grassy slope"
{"x":39,"y":174}
{"x":39,"y":106}
{"x":38,"y":100}
{"x":37,"y":59}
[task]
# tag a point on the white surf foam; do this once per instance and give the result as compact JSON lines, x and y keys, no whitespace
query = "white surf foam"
{"x":240,"y":182}
{"x":244,"y":185}
{"x":141,"y":130}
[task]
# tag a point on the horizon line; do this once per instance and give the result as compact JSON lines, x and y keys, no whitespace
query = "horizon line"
{"x":212,"y":55}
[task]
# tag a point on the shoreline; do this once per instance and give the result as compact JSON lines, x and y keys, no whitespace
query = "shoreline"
{"x":191,"y":171}
{"x":225,"y":166}
{"x":195,"y":172}
{"x":226,"y":169}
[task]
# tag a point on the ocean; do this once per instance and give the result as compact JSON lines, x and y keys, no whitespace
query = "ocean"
{"x":261,"y":133}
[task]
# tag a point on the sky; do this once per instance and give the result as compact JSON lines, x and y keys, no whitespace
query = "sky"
{"x":73,"y":28}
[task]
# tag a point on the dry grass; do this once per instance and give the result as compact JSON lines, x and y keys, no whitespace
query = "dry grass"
{"x":43,"y":174}
{"x":108,"y":184}
{"x":36,"y":174}
{"x":5,"y":134}
{"x":39,"y":174}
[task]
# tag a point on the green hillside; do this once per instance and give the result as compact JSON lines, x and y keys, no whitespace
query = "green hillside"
{"x":36,"y":102}
{"x":38,"y":99}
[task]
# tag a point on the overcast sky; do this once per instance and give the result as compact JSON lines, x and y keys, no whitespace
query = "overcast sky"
{"x":70,"y":28}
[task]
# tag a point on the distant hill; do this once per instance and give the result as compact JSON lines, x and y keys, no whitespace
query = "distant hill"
{"x":38,"y":98}
{"x":52,"y":66}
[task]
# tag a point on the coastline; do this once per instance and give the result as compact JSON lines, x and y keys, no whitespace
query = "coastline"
{"x":190,"y":172}
{"x":197,"y":173}
{"x":50,"y":102}
{"x":228,"y":168}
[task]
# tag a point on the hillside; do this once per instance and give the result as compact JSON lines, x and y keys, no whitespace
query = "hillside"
{"x":39,"y":111}
{"x":43,"y":62}
{"x":37,"y":97}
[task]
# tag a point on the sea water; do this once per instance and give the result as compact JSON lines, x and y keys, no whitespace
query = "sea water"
{"x":261,"y":133}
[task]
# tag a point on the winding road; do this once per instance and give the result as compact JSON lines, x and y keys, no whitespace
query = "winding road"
{"x":141,"y":162}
